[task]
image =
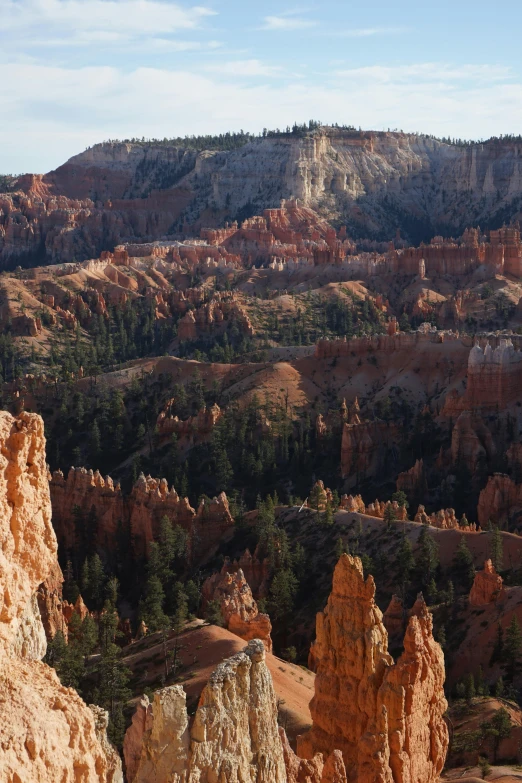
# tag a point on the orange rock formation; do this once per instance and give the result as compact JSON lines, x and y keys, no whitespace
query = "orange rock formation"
{"x":238,"y":608}
{"x":47,"y":733}
{"x":487,"y":586}
{"x":499,"y":501}
{"x":150,"y":500}
{"x":385,"y":717}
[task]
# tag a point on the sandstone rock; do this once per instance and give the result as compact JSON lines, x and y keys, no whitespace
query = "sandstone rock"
{"x":413,"y":481}
{"x":386,"y":718}
{"x":487,"y":586}
{"x":53,"y":610}
{"x":238,"y":608}
{"x":234,"y":735}
{"x":141,"y":512}
{"x":471,"y":441}
{"x":394,"y":620}
{"x":30,"y":641}
{"x":499,"y":501}
{"x":47,"y":733}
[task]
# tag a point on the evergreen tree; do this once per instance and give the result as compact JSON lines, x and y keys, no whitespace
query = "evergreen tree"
{"x":71,"y":591}
{"x":151,"y":608}
{"x":497,"y":549}
{"x":400,"y":498}
{"x":498,"y":728}
{"x":428,"y":556}
{"x":95,"y":583}
{"x":389,"y":517}
{"x":463,"y":563}
{"x":512,"y":647}
{"x":282,"y":595}
{"x":405,"y":562}
{"x":213,"y":613}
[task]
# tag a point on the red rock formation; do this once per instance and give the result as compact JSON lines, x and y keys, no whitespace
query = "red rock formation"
{"x":394,"y":621}
{"x":487,"y":586}
{"x":471,"y":441}
{"x":413,"y":481}
{"x":494,"y":376}
{"x":150,"y":500}
{"x":190,"y":431}
{"x":312,"y":770}
{"x":47,"y":733}
{"x":51,"y":603}
{"x":500,"y":502}
{"x":386,"y":718}
{"x":238,"y":608}
{"x":364,"y":448}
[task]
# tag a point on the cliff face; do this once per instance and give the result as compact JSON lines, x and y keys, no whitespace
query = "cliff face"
{"x":47,"y":733}
{"x":234,"y":734}
{"x":120,"y":191}
{"x":141,"y":511}
{"x":238,"y":608}
{"x":385,"y":717}
{"x":500,"y":501}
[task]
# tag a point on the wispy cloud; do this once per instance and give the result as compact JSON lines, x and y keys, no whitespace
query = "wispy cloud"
{"x":367,"y":32}
{"x":119,"y":16}
{"x":245,"y":68}
{"x":287,"y":22}
{"x":427,"y":72}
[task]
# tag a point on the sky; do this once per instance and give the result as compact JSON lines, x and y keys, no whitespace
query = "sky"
{"x":77,"y":72}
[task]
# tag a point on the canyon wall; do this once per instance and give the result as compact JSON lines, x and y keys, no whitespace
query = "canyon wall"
{"x":47,"y":733}
{"x":140,"y":512}
{"x":119,"y":191}
{"x":500,"y":502}
{"x":385,"y":717}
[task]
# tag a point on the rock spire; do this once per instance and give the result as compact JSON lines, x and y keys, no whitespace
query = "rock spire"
{"x":386,"y":718}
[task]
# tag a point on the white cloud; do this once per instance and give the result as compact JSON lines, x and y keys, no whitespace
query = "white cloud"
{"x":143,"y":17}
{"x":366,"y":32}
{"x":427,"y":72}
{"x":286,"y":22}
{"x":245,"y":68}
{"x":55,"y":112}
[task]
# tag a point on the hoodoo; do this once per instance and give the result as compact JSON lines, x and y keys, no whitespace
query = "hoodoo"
{"x":385,"y":717}
{"x":47,"y":733}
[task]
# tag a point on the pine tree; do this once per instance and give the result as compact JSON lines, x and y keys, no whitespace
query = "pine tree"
{"x":428,"y":556}
{"x":463,"y":562}
{"x":213,"y":613}
{"x":512,"y":647}
{"x":405,"y":561}
{"x":71,"y":591}
{"x":96,"y":582}
{"x":151,"y":608}
{"x":497,"y":549}
{"x":389,"y":517}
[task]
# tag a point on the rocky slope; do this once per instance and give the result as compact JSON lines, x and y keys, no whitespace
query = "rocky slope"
{"x":47,"y":733}
{"x":375,"y":182}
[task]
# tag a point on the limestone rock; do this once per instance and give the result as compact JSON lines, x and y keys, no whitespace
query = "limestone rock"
{"x":487,"y":586}
{"x":30,"y":641}
{"x":386,"y":718}
{"x":394,"y":619}
{"x":238,"y":607}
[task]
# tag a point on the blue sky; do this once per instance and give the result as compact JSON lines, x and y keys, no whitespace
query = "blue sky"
{"x":74,"y":72}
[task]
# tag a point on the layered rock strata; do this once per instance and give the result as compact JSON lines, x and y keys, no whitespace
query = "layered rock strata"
{"x":47,"y":733}
{"x":385,"y":717}
{"x":238,"y":607}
